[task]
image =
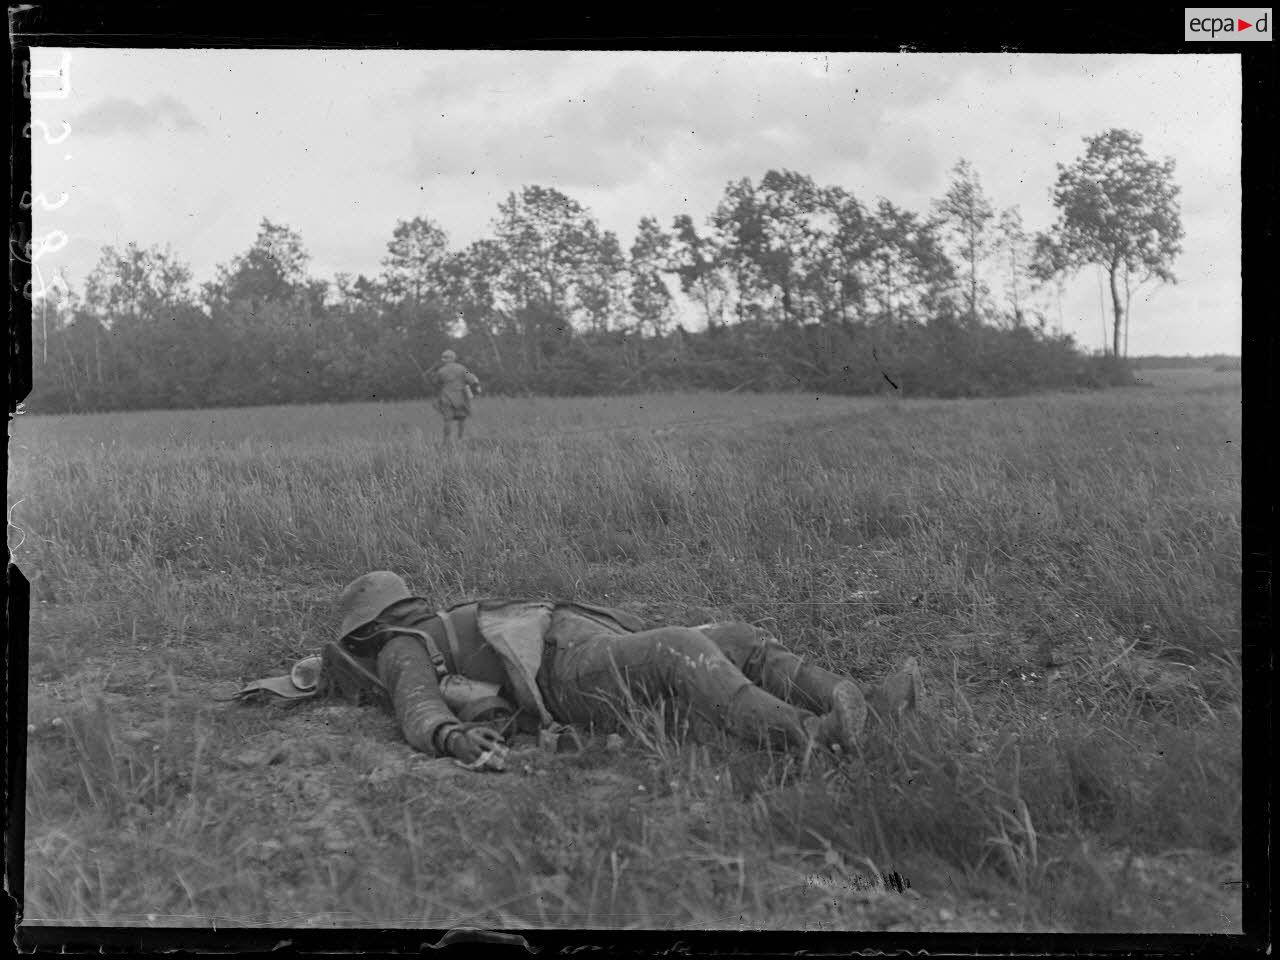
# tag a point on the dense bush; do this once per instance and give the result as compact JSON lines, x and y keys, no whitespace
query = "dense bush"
{"x":197,"y":361}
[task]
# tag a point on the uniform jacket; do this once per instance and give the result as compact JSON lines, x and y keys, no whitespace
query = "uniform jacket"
{"x":454,"y":381}
{"x":496,"y":641}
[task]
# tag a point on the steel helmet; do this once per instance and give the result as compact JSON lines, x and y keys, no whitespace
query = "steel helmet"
{"x":448,"y":356}
{"x":366,"y":597}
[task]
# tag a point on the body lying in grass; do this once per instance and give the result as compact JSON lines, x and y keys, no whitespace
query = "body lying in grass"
{"x":458,"y":679}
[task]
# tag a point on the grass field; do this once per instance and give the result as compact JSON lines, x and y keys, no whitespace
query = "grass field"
{"x":1066,"y":568}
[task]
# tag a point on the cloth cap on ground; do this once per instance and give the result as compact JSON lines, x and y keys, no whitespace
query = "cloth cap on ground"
{"x":366,"y":597}
{"x":448,"y":356}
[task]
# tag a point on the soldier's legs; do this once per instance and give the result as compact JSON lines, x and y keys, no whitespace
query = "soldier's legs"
{"x":591,"y":673}
{"x":461,"y":422}
{"x":763,"y":660}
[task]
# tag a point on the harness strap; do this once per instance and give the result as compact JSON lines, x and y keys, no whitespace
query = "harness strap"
{"x":428,"y":641}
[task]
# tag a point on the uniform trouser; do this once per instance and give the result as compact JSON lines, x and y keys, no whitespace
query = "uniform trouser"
{"x":731,"y":675}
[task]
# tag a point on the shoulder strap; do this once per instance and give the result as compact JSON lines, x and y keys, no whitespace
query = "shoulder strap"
{"x":429,"y":642}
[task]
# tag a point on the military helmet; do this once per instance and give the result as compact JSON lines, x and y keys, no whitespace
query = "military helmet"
{"x":448,"y":356}
{"x":366,"y":597}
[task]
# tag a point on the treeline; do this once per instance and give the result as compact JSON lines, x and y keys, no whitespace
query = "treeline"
{"x":1217,"y":361}
{"x":785,"y":285}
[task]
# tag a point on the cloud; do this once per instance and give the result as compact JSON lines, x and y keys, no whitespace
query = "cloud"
{"x":1061,"y":66}
{"x":688,"y":113}
{"x":909,"y":159}
{"x":116,"y":115}
{"x":458,"y":81}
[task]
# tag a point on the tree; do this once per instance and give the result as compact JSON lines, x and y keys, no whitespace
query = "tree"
{"x":698,"y":262}
{"x":1016,"y":259}
{"x":359,"y":290}
{"x":601,"y":287}
{"x":913,"y":272}
{"x":649,"y":297}
{"x":738,"y":228}
{"x":414,"y":267}
{"x":473,"y":278}
{"x":273,"y":271}
{"x":136,"y":286}
{"x":966,"y":211}
{"x":268,"y":313}
{"x":1118,"y":210}
{"x":137,"y":294}
{"x":852,"y":250}
{"x":56,"y":372}
{"x":547,"y":241}
{"x":783,"y":233}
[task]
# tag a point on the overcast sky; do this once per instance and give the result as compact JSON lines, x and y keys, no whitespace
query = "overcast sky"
{"x":194,"y":147}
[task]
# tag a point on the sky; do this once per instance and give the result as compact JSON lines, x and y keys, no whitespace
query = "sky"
{"x":193,"y":148}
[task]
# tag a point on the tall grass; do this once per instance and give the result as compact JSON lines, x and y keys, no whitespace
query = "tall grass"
{"x":1066,"y":569}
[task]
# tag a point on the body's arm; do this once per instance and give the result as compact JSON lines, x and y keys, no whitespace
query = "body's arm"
{"x":473,"y":381}
{"x":428,"y":724}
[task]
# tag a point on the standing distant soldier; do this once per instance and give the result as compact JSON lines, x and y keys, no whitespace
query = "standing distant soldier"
{"x":455,"y":384}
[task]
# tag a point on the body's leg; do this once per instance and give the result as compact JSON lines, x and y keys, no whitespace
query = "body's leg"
{"x":764,"y":661}
{"x":592,"y":672}
{"x":461,"y":422}
{"x":445,"y":421}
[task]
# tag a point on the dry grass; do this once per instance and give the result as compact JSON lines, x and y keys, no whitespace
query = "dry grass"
{"x":1066,"y":568}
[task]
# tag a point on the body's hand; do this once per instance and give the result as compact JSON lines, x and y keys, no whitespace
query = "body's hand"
{"x":468,"y":745}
